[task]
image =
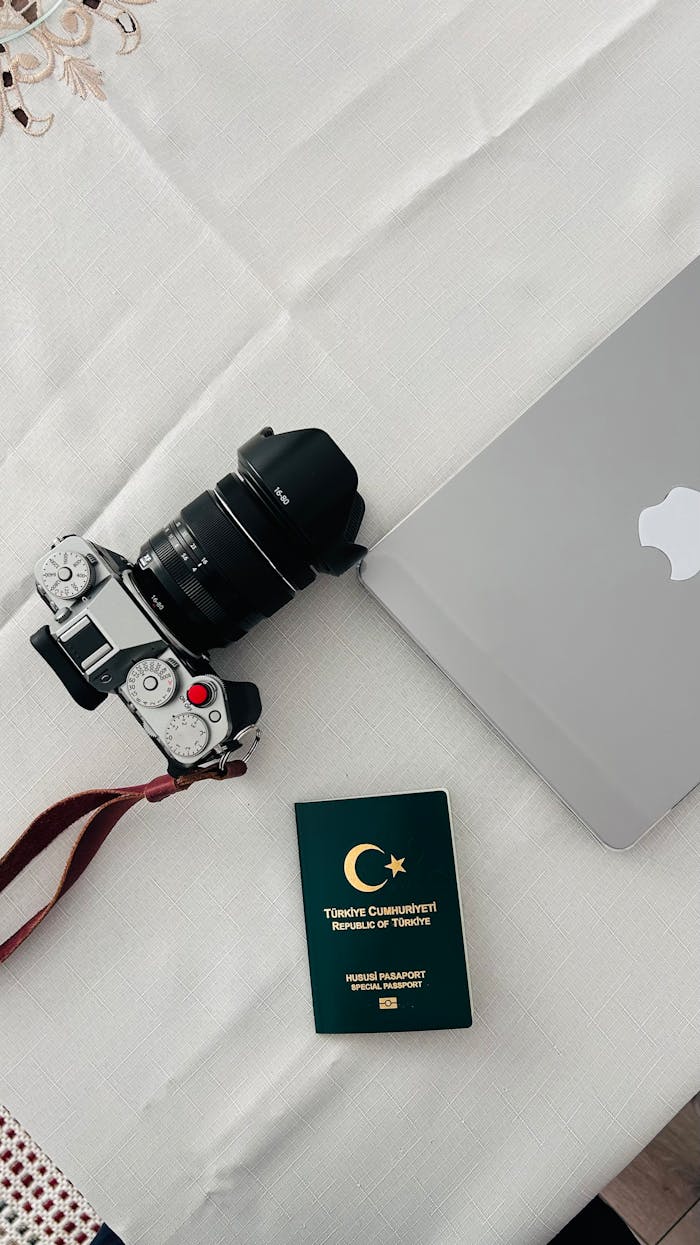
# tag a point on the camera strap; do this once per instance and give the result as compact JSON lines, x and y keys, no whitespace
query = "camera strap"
{"x":103,"y":808}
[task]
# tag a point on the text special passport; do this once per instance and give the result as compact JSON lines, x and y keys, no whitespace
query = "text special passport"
{"x":383,"y":914}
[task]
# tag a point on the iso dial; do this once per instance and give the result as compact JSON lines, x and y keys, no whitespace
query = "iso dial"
{"x":151,"y":683}
{"x":66,"y":574}
{"x":186,"y":735}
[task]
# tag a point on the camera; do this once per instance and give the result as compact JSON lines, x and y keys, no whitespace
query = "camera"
{"x":233,"y":556}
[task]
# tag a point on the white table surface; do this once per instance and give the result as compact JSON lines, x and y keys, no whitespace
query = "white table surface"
{"x":399,"y":221}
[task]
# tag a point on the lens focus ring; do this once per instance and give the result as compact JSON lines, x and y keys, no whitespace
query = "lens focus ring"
{"x":266,"y":529}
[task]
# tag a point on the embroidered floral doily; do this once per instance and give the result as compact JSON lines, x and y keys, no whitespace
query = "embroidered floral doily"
{"x":51,"y":43}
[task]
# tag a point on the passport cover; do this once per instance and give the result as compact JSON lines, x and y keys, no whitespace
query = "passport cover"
{"x":383,"y":914}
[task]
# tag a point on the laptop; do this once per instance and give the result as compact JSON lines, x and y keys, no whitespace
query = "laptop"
{"x":556,"y":578}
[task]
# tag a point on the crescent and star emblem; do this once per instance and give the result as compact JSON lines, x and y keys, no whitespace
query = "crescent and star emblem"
{"x":350,"y":866}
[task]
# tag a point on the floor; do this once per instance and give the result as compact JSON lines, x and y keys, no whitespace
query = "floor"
{"x":658,"y":1195}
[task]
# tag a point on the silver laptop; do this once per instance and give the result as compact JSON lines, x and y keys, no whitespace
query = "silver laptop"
{"x":556,"y":577}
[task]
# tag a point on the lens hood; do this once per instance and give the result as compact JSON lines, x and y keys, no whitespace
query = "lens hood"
{"x":311,"y":488}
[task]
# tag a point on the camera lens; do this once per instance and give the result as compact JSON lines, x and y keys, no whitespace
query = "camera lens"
{"x":239,"y":552}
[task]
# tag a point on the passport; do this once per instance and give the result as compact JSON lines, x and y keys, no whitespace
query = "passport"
{"x":383,"y":914}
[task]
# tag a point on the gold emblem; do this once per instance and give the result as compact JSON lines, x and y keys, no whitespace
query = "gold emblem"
{"x":350,"y":866}
{"x":395,"y":865}
{"x":388,"y":1003}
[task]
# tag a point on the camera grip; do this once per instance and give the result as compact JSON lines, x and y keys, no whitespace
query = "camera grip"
{"x":75,"y":684}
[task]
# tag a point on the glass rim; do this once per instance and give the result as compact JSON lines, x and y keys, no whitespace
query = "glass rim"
{"x":38,"y":21}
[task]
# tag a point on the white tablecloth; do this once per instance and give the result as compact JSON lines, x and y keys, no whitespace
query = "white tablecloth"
{"x":399,"y":221}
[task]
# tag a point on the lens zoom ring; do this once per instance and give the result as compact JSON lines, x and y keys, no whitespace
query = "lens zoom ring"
{"x":248,"y":575}
{"x":188,"y":583}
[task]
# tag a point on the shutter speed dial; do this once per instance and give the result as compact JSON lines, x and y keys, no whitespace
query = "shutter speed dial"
{"x":187,"y":735}
{"x":66,"y":574}
{"x":151,"y":683}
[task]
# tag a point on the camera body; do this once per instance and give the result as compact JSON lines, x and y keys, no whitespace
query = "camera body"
{"x":102,"y":640}
{"x":234,"y":555}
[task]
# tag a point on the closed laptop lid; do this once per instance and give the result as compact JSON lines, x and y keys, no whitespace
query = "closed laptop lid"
{"x":540,"y":576}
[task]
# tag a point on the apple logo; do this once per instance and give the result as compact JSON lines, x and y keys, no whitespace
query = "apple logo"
{"x":673,"y":527}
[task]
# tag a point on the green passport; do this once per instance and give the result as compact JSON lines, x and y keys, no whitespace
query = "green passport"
{"x":383,"y":914}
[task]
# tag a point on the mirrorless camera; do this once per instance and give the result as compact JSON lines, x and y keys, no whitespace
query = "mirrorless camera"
{"x":234,"y":555}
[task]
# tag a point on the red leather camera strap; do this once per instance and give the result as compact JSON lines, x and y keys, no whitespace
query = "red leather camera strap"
{"x":103,"y":808}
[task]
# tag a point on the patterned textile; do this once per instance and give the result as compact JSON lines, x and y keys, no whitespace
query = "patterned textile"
{"x":38,"y":1205}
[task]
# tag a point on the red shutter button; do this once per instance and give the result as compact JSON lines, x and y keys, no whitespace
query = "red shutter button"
{"x":199,"y":694}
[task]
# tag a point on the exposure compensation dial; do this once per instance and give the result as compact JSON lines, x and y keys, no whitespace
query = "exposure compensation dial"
{"x":187,"y":735}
